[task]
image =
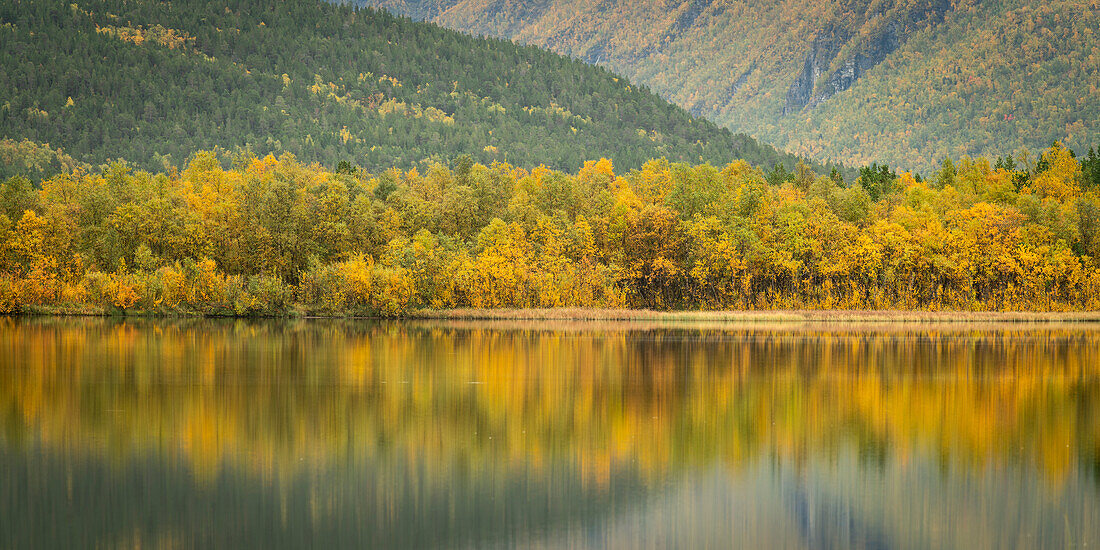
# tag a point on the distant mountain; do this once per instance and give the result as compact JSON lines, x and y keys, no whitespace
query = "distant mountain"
{"x":153,"y":81}
{"x":908,"y":82}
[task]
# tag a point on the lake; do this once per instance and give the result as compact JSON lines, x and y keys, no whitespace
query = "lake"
{"x":450,"y":434}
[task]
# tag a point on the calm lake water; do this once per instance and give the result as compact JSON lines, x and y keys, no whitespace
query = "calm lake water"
{"x":235,"y":434}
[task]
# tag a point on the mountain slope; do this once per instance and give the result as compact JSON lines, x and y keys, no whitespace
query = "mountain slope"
{"x":906,"y":82}
{"x":153,"y":81}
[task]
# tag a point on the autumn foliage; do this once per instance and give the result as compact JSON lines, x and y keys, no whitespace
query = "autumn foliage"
{"x":271,"y":236}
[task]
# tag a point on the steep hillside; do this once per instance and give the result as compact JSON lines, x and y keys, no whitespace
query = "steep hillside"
{"x":152,"y":81}
{"x":906,"y":82}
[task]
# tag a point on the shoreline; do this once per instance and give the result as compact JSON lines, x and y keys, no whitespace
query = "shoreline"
{"x":769,"y":316}
{"x":619,"y":315}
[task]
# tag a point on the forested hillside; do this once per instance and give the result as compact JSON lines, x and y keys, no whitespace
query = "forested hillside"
{"x":903,"y":82}
{"x":152,"y":81}
{"x":273,"y":236}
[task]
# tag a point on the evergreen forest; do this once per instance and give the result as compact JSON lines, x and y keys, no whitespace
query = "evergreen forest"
{"x":151,"y":82}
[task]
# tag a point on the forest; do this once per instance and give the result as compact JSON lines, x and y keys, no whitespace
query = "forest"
{"x":239,"y":235}
{"x":152,"y":81}
{"x":902,"y":82}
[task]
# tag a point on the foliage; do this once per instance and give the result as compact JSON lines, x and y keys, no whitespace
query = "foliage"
{"x":264,"y":236}
{"x":905,"y":82}
{"x":153,"y":81}
{"x":32,"y":160}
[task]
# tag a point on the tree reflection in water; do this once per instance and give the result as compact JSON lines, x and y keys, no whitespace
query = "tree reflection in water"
{"x":424,"y":434}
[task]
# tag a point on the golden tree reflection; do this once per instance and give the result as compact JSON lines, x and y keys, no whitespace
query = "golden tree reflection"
{"x":272,"y":397}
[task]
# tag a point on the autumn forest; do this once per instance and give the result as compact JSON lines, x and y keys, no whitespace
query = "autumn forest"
{"x":458,"y":274}
{"x":364,"y":164}
{"x":234,"y":234}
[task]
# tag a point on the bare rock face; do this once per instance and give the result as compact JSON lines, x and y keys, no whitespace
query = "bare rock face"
{"x":808,"y":89}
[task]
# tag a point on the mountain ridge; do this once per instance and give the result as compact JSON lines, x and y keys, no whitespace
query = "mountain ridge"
{"x":151,"y":82}
{"x":907,"y":83}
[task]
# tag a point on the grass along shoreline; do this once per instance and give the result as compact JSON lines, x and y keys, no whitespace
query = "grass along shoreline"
{"x":794,"y":316}
{"x":605,"y":314}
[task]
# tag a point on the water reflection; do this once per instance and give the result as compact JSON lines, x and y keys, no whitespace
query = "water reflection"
{"x":572,"y":435}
